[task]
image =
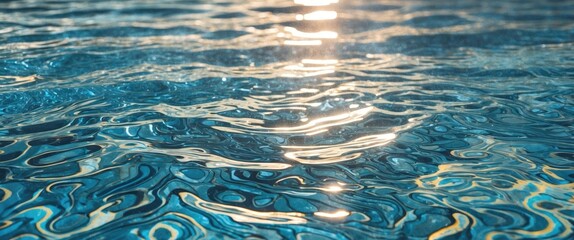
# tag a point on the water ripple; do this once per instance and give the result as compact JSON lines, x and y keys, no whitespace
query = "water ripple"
{"x":286,"y":119}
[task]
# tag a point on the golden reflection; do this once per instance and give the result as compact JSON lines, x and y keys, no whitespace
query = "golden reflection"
{"x":537,"y":191}
{"x":554,"y":218}
{"x":333,"y":188}
{"x":324,"y":123}
{"x":271,"y":103}
{"x":20,"y":80}
{"x":461,"y":222}
{"x":312,"y":3}
{"x":317,"y":15}
{"x":303,"y":91}
{"x":87,"y":167}
{"x":308,"y":71}
{"x":26,"y":236}
{"x":304,"y":68}
{"x":299,"y":179}
{"x":240,"y":214}
{"x":189,"y":219}
{"x":320,"y":61}
{"x":44,"y":214}
{"x":320,"y":34}
{"x":337,"y":214}
{"x":7,"y":194}
{"x":192,"y":154}
{"x":215,"y":161}
{"x":310,"y":127}
{"x":326,"y":154}
{"x":295,"y":37}
{"x":303,"y":42}
{"x":173,"y":233}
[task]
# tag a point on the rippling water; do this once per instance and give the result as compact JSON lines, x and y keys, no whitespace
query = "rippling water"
{"x":287,"y":119}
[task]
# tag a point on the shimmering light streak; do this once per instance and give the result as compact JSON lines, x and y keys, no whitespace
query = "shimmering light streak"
{"x":317,"y":15}
{"x":337,"y":214}
{"x":312,"y":3}
{"x":286,"y":120}
{"x":320,"y":61}
{"x":312,"y":35}
{"x":303,"y":42}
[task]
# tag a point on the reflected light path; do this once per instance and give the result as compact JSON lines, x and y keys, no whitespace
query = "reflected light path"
{"x":317,"y":15}
{"x":327,"y":154}
{"x":312,"y":127}
{"x":313,"y":3}
{"x":286,"y":119}
{"x":308,"y":67}
{"x":240,"y":214}
{"x":319,"y":35}
{"x":303,"y":42}
{"x":320,"y":61}
{"x":337,"y":214}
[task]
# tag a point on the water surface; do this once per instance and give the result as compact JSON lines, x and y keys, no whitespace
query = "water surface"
{"x":286,"y":119}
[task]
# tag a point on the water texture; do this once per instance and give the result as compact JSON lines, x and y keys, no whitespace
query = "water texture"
{"x":286,"y":119}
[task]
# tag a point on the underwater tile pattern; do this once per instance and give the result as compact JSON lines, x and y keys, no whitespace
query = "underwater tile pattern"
{"x":282,"y":119}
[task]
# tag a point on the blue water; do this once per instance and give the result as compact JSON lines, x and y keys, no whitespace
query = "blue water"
{"x":276,"y":119}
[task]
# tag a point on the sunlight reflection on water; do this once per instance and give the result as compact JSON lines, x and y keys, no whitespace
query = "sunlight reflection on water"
{"x":286,"y":119}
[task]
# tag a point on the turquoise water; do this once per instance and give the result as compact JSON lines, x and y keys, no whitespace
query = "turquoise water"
{"x":287,"y":119}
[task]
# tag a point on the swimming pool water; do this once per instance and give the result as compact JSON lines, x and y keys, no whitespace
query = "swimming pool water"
{"x":286,"y":119}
